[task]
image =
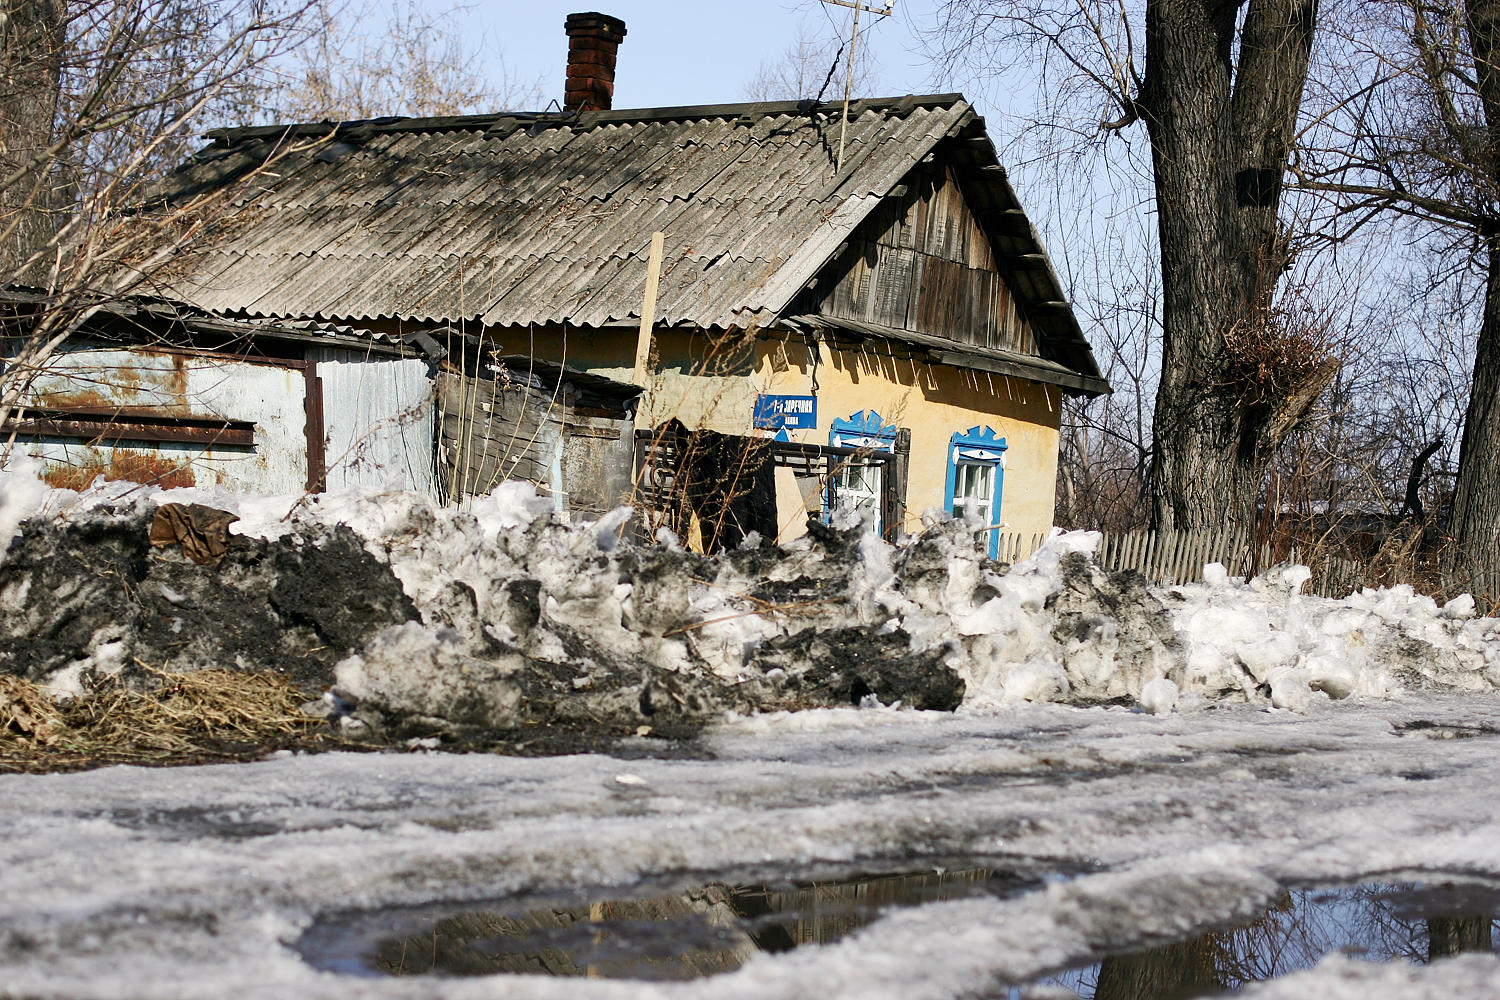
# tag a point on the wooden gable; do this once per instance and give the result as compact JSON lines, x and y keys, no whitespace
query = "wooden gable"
{"x":922,"y":263}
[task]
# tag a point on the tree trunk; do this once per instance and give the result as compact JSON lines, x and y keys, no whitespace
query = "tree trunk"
{"x":1476,"y":496}
{"x":1449,"y":936}
{"x":31,"y":49}
{"x":1220,"y":100}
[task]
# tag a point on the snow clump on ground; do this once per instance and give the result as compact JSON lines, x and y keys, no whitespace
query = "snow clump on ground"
{"x":504,"y":582}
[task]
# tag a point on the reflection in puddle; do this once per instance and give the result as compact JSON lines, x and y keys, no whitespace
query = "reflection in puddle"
{"x":1407,"y":922}
{"x":679,"y":935}
{"x":717,"y":927}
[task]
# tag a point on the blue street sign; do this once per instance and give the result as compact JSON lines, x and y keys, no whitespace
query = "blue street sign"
{"x":773,"y":412}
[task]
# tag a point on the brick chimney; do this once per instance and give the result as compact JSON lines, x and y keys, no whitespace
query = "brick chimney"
{"x":593,"y":39}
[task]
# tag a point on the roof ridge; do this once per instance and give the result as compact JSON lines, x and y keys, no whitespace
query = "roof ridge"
{"x":515,"y":120}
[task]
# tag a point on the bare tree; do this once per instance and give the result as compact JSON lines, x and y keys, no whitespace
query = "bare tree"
{"x":125,"y":82}
{"x":812,"y":67}
{"x":1105,"y":458}
{"x":103,"y":96}
{"x":1422,"y":141}
{"x":1218,"y":85}
{"x":31,"y":46}
{"x":415,"y":62}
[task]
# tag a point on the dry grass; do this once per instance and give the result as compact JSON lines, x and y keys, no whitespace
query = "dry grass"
{"x":180,"y":718}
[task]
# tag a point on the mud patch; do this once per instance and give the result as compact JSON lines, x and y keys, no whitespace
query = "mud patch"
{"x":97,"y":597}
{"x":1426,"y":729}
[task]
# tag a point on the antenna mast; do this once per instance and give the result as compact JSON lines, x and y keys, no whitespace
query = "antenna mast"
{"x":859,"y":7}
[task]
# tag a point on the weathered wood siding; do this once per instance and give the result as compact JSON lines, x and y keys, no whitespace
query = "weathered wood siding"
{"x":496,"y":430}
{"x":491,"y":431}
{"x":922,"y":263}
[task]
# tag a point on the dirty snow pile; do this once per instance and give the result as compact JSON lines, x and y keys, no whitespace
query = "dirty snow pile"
{"x":514,"y":612}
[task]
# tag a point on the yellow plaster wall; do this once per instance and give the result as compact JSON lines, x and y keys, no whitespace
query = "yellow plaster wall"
{"x":933,"y":401}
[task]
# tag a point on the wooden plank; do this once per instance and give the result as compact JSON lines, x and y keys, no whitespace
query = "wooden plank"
{"x":910,"y":209}
{"x":850,"y":296}
{"x":884,"y":225}
{"x":923,"y":214}
{"x":980,"y":256}
{"x":1192,"y":568}
{"x":1213,"y":544}
{"x":981,"y":290}
{"x":648,"y":309}
{"x":893,"y":283}
{"x":934,"y":238}
{"x":937,"y":305}
{"x":914,"y":294}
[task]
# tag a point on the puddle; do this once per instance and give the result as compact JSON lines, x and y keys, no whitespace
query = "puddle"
{"x":664,"y":935}
{"x":673,"y":931}
{"x":1443,"y":730}
{"x":1402,"y":922}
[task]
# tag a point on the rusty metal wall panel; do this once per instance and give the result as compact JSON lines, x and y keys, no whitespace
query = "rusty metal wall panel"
{"x":145,"y":383}
{"x":379,"y":421}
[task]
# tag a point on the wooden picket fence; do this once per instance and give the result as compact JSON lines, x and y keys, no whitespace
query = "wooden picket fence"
{"x":1173,"y":557}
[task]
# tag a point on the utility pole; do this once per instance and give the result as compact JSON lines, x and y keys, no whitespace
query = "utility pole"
{"x":859,"y":7}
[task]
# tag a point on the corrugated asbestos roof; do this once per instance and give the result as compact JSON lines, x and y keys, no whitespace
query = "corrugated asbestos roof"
{"x":536,"y":219}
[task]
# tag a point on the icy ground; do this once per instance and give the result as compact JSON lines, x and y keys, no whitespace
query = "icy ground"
{"x":197,"y":882}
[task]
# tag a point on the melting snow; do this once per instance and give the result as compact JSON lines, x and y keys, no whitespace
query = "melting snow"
{"x":129,"y":882}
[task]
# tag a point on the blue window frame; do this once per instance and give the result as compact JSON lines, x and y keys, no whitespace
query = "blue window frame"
{"x":976,"y":478}
{"x":854,"y":485}
{"x":864,"y":429}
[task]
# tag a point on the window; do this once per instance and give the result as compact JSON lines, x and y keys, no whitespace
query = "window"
{"x":974,"y":493}
{"x":857,"y":485}
{"x":976,"y":475}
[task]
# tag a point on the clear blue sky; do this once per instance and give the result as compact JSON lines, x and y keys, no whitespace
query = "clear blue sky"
{"x":695,"y":53}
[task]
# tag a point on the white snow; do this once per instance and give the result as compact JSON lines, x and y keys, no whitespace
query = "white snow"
{"x":22,"y":495}
{"x":132,"y":882}
{"x":1159,"y":697}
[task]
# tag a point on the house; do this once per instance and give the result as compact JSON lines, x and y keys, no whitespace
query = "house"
{"x":864,"y":304}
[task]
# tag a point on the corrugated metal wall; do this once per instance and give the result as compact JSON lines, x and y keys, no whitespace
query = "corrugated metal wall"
{"x":379,"y":421}
{"x":173,"y":385}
